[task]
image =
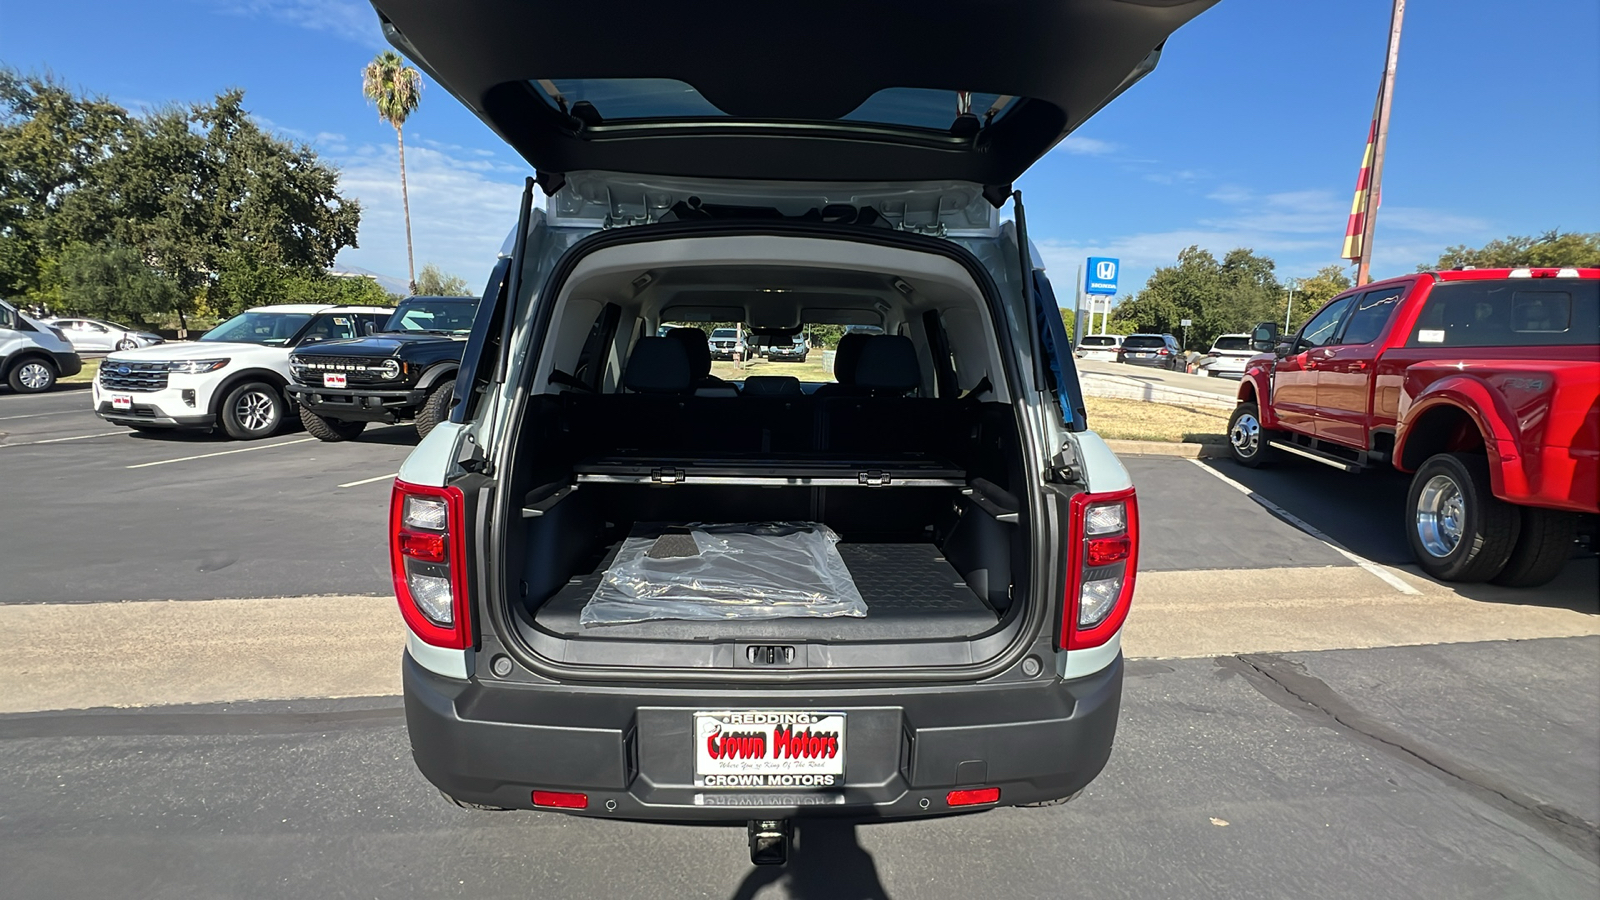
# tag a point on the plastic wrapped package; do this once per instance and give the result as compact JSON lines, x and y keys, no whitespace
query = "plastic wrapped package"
{"x":754,"y":570}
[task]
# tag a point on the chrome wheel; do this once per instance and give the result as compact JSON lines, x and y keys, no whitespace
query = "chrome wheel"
{"x":254,"y":410}
{"x":126,"y":344}
{"x":1441,"y":515}
{"x":1245,"y":436}
{"x":35,"y":376}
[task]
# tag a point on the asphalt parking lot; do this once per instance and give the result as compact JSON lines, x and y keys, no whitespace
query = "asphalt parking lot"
{"x":1304,"y":716}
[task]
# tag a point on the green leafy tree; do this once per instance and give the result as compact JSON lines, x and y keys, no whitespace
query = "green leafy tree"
{"x":110,"y":281}
{"x":1310,"y":294}
{"x":1551,"y":249}
{"x":396,"y":89}
{"x":433,"y":283}
{"x":1217,"y":297}
{"x":52,"y":142}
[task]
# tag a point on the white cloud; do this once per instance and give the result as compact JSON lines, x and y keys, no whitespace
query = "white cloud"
{"x":352,"y":20}
{"x":459,"y":215}
{"x":1085,"y":146}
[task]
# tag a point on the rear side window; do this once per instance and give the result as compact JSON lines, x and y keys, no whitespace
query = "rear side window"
{"x":1369,"y":316}
{"x":1509,"y":314}
{"x":1231,"y":343}
{"x":1144,"y":342}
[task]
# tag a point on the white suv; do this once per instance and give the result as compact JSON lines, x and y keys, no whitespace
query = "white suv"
{"x":233,"y":376}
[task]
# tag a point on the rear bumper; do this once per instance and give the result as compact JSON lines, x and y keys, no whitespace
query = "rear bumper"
{"x":1154,"y":362}
{"x":359,"y":404}
{"x":631,"y":751}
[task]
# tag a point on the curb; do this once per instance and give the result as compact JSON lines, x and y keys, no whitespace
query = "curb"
{"x":1168,"y":448}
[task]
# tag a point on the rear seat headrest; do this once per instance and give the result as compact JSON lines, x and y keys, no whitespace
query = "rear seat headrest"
{"x":698,"y":346}
{"x":658,"y":365}
{"x":888,"y":363}
{"x":771,"y":385}
{"x":846,"y":355}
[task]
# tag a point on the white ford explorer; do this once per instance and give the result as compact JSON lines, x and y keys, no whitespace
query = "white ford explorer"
{"x":634,"y":590}
{"x":233,"y":376}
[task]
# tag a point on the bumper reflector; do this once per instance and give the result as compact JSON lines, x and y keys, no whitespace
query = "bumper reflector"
{"x":560,"y":800}
{"x":973,"y":797}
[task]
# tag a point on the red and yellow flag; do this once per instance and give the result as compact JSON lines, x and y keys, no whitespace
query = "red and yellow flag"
{"x":1364,"y":200}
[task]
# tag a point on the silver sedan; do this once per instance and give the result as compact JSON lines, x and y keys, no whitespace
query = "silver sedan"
{"x":100,"y":336}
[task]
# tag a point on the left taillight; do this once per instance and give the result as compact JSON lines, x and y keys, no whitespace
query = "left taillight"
{"x":1102,"y":560}
{"x":427,"y":555}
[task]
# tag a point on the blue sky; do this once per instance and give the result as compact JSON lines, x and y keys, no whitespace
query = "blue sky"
{"x":1249,"y":134}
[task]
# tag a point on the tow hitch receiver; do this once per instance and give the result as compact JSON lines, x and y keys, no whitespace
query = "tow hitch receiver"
{"x":769,"y":842}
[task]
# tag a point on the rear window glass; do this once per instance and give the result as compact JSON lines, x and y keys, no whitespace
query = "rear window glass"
{"x":617,"y":99}
{"x":1097,"y":341}
{"x":1143,"y":343}
{"x":1231,"y":343}
{"x":1509,"y":314}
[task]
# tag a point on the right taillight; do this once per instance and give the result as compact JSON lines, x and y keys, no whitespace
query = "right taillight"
{"x":427,"y":553}
{"x":1102,"y":560}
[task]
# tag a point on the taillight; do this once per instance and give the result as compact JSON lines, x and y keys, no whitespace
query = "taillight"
{"x":1102,"y":560}
{"x":1163,"y":352}
{"x":427,"y":553}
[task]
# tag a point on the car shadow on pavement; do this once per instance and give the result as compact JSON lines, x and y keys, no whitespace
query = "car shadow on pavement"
{"x":826,"y":862}
{"x":393,"y":435}
{"x":1365,"y":513}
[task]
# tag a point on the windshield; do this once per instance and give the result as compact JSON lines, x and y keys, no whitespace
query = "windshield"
{"x":271,"y":329}
{"x":434,"y":315}
{"x":1097,"y":341}
{"x":724,"y":333}
{"x":1232,"y":343}
{"x":1144,"y":342}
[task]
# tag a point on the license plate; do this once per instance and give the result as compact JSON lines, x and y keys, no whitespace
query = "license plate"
{"x":121,"y":401}
{"x":334,"y":379}
{"x":760,"y":749}
{"x":1142,"y":355}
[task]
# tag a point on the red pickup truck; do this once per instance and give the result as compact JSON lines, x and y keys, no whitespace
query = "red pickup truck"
{"x":1482,"y":382}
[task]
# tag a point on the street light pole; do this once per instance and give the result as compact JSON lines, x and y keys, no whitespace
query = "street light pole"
{"x":1287,"y":313}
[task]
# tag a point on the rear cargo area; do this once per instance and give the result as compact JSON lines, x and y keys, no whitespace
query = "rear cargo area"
{"x":910,"y":459}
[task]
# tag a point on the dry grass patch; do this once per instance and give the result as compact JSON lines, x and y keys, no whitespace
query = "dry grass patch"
{"x":1142,"y":420}
{"x":810,"y":370}
{"x":91,"y":367}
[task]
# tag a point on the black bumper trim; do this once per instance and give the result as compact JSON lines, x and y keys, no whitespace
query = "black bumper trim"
{"x":350,"y":404}
{"x":67,"y":363}
{"x":494,"y":744}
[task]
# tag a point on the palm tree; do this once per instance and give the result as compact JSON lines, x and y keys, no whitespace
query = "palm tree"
{"x":396,"y":88}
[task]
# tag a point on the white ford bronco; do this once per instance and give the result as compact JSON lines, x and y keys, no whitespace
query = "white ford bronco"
{"x":636,"y":592}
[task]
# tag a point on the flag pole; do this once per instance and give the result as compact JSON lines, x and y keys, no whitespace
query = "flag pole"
{"x":1375,"y":183}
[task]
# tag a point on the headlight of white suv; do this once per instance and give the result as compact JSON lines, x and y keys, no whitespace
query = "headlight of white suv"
{"x":196,"y":366}
{"x":389,"y":369}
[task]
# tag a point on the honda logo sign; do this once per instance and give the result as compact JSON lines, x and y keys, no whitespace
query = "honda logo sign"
{"x":1102,"y":275}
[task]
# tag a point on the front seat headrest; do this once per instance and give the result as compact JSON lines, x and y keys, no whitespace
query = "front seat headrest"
{"x":888,"y":365}
{"x":846,"y":355}
{"x":658,"y":365}
{"x":697,"y":345}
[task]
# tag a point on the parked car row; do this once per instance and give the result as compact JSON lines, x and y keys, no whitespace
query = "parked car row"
{"x":332,"y":368}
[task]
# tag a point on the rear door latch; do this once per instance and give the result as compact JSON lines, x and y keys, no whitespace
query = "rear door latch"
{"x":874,"y":478}
{"x":667,"y":475}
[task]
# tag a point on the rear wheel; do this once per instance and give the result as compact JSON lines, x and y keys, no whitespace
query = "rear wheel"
{"x":437,"y":407}
{"x":251,"y":411}
{"x":1247,"y":440}
{"x":32,"y":376}
{"x":330,"y":429}
{"x":1458,"y":529}
{"x":1544,"y":544}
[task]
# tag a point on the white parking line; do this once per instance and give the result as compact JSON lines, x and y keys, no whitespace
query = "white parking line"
{"x":162,"y":462}
{"x":81,"y":437}
{"x":1388,"y":577}
{"x":369,"y":480}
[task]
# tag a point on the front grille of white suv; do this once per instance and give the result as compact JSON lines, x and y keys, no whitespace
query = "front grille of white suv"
{"x":133,"y":377}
